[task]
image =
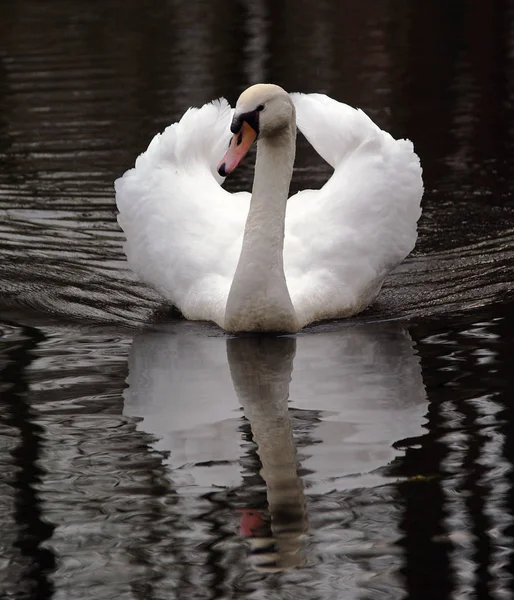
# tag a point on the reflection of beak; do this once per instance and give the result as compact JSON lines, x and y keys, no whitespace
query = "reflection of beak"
{"x":252,"y":523}
{"x":238,"y":147}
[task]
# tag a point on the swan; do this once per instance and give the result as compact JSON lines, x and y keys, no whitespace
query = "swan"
{"x":263,"y":261}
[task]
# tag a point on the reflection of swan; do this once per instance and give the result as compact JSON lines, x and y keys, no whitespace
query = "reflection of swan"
{"x":327,"y":260}
{"x":361,"y":387}
{"x":355,"y":392}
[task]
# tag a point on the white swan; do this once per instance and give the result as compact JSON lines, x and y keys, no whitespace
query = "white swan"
{"x":322,"y":254}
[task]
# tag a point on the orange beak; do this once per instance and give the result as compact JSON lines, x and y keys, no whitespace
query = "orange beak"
{"x":238,"y":147}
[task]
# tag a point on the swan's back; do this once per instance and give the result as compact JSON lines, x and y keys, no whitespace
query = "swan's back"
{"x":342,"y":240}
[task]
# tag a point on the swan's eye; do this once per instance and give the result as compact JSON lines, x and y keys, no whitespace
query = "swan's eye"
{"x":260,"y":107}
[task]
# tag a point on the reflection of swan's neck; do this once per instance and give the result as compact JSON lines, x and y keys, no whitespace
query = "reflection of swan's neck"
{"x":271,"y":428}
{"x":261,"y":373}
{"x":259,"y":298}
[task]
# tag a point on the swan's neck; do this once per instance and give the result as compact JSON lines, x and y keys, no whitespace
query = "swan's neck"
{"x":259,"y":299}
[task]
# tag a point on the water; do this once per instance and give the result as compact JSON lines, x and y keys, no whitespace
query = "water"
{"x":143,"y":456}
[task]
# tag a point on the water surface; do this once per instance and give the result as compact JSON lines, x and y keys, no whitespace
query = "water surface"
{"x":143,"y":456}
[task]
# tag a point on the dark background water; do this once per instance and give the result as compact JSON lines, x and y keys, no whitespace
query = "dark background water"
{"x":146,"y":457}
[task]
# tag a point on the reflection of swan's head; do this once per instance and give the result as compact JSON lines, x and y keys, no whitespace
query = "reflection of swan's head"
{"x":263,"y":110}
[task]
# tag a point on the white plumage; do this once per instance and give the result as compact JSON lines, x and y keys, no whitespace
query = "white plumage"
{"x":184,"y":231}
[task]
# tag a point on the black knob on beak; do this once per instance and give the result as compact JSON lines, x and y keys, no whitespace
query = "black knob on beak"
{"x":251,"y":117}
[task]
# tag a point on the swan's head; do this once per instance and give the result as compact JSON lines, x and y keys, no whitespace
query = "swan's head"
{"x":263,"y":110}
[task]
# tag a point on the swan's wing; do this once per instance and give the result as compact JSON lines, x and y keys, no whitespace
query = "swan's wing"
{"x":342,"y":240}
{"x":184,"y":232}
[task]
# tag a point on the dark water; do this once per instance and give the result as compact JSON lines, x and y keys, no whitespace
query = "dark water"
{"x":144,"y":457}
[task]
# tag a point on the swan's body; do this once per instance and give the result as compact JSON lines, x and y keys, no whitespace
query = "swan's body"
{"x":321,"y":254}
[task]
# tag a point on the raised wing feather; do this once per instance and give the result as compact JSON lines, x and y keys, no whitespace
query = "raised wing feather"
{"x":342,"y":240}
{"x":184,"y":232}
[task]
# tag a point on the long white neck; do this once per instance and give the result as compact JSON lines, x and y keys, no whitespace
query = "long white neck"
{"x":259,"y":299}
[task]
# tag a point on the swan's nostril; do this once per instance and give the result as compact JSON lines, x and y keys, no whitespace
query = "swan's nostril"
{"x":240,"y":137}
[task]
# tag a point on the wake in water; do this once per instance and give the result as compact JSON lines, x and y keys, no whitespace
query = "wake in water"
{"x":56,"y":266}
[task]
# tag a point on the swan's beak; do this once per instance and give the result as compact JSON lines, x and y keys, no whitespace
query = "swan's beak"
{"x":239,"y":145}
